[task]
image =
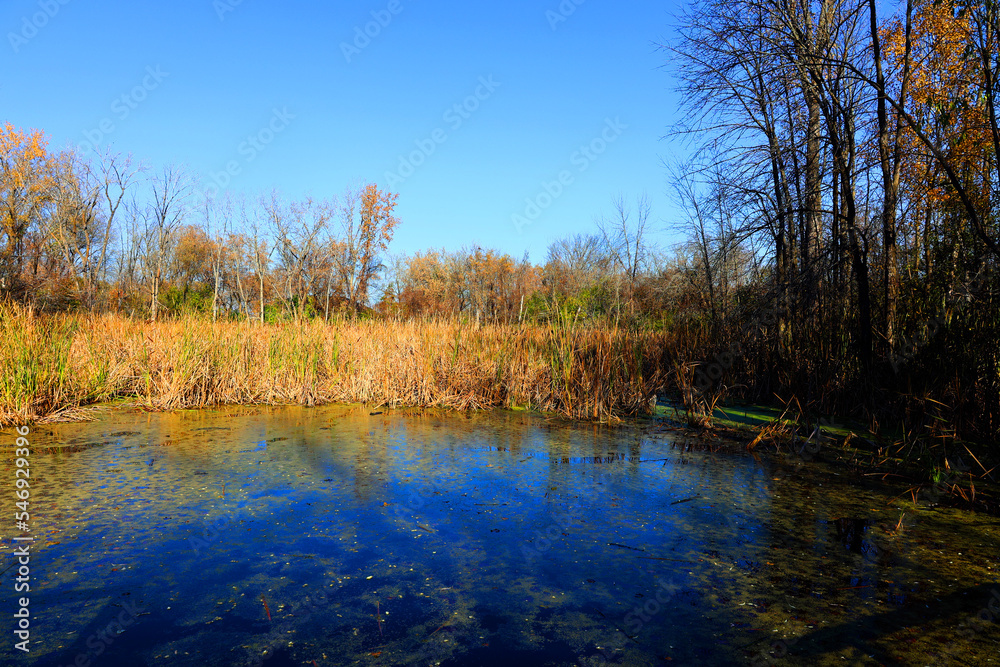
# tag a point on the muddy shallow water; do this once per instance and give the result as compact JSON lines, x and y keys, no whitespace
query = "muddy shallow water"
{"x":329,"y":536}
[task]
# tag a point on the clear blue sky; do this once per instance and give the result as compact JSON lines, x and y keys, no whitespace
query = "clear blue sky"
{"x":199,"y":77}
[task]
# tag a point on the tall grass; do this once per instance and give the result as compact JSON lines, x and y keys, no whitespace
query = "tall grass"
{"x":51,"y":364}
{"x":35,"y":372}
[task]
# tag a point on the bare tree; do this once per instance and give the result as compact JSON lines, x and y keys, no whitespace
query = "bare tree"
{"x":240,"y":248}
{"x":72,"y":227}
{"x":624,"y":237}
{"x":302,"y":248}
{"x":698,"y":227}
{"x":161,"y":217}
{"x":88,"y":199}
{"x":575,"y":262}
{"x":117,"y":173}
{"x":259,"y":225}
{"x":218,"y":215}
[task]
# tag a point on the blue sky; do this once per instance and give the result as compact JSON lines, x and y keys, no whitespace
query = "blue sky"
{"x":270,"y":91}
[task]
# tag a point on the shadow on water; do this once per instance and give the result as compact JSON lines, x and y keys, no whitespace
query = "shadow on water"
{"x":291,"y":536}
{"x":851,"y":533}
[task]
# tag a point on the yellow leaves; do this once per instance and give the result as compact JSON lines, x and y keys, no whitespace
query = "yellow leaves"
{"x":479,"y":281}
{"x":15,"y":142}
{"x":943,"y":95}
{"x":368,"y":230}
{"x":22,"y":155}
{"x":940,"y":70}
{"x":26,"y":177}
{"x":377,"y":219}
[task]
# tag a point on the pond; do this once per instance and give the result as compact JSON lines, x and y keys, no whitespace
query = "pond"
{"x":338,"y":535}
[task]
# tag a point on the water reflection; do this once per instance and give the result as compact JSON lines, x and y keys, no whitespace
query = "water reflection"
{"x":333,"y":536}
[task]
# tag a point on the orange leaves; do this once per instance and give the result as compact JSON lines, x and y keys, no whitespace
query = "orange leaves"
{"x":12,"y":140}
{"x":944,"y":95}
{"x":192,"y":255}
{"x":21,"y":154}
{"x":940,"y":72}
{"x":27,"y":183}
{"x":368,"y":227}
{"x":482,"y":282}
{"x":377,"y":219}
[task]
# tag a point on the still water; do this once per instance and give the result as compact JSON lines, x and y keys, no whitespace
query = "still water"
{"x":332,"y":536}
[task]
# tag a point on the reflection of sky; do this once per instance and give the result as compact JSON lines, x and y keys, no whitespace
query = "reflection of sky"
{"x":540,"y":536}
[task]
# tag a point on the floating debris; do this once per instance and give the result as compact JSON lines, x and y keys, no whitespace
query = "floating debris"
{"x":266,"y":610}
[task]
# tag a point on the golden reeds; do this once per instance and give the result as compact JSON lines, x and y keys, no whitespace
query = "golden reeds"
{"x":53,"y":363}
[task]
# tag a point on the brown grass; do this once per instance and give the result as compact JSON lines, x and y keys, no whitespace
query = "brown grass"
{"x":51,"y":364}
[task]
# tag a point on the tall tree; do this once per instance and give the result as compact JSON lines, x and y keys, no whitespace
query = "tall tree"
{"x":367,"y":225}
{"x":161,"y":218}
{"x":625,"y":237}
{"x":27,"y":186}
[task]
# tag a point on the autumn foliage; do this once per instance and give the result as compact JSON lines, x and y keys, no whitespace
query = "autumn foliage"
{"x":27,"y":187}
{"x":850,"y":150}
{"x":840,"y":214}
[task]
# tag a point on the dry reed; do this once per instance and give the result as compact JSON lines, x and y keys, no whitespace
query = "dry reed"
{"x":55,"y":363}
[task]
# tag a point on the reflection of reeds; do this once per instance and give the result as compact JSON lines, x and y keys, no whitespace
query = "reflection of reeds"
{"x":51,"y":363}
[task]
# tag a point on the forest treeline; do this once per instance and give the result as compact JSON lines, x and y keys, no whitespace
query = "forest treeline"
{"x":105,"y":235}
{"x":840,"y":208}
{"x":856,"y":154}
